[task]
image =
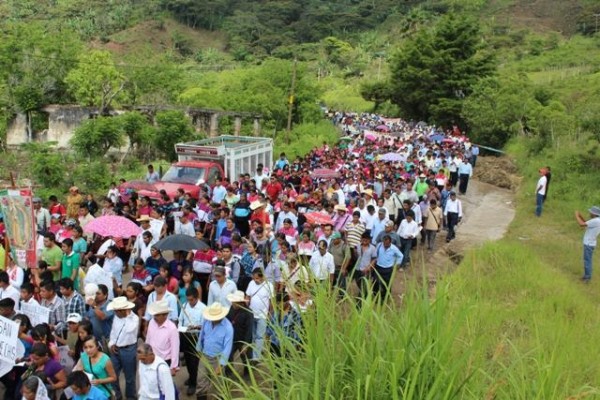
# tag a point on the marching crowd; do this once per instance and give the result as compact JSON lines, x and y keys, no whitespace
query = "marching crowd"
{"x":341,"y":215}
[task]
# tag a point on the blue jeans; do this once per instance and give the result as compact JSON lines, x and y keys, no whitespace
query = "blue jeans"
{"x":539,"y":202}
{"x":125,"y":360}
{"x":260,"y":328}
{"x":588,"y":253}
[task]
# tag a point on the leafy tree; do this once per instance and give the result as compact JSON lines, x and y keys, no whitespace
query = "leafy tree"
{"x":172,"y":127}
{"x":96,"y":81}
{"x":47,"y":165}
{"x":95,"y":137}
{"x":89,"y":176}
{"x":377,"y":92}
{"x":433,"y":73}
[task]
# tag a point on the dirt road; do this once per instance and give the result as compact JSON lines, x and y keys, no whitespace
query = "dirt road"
{"x":488,"y":210}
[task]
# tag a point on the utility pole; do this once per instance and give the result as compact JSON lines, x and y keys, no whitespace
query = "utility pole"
{"x":291,"y":103}
{"x":596,"y":15}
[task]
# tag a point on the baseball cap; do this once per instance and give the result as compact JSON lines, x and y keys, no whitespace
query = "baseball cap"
{"x":74,"y":317}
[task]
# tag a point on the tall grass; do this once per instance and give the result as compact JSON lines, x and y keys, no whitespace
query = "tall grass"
{"x":372,"y":352}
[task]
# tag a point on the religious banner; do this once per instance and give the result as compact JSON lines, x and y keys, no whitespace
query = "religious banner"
{"x":37,"y":314}
{"x":17,"y":209}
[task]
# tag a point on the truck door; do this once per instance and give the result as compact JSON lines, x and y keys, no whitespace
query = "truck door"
{"x":213,"y":174}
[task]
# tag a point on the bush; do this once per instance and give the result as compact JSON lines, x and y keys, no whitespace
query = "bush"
{"x":173,"y":127}
{"x":96,"y":136}
{"x":306,"y":136}
{"x":91,"y":176}
{"x":47,"y":165}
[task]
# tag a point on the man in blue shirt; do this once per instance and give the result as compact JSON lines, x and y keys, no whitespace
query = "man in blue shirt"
{"x":465,"y":171}
{"x":215,"y":343}
{"x":474,"y":154}
{"x":80,"y":385}
{"x":388,"y":257}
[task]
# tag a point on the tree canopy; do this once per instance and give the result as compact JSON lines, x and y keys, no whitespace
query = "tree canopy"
{"x":434,"y":72}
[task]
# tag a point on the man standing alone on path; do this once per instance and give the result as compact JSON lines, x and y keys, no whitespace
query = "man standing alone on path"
{"x":592,"y":229}
{"x":453,"y":214}
{"x":540,"y":192}
{"x":465,"y":171}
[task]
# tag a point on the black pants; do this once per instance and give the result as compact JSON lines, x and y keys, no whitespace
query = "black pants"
{"x":187,"y":344}
{"x":204,"y":280}
{"x":382,"y":279}
{"x":453,"y":178}
{"x":464,"y":183}
{"x":452,"y":221}
{"x":362,"y":281}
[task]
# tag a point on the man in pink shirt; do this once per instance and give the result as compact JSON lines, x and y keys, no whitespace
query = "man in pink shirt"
{"x":162,"y":334}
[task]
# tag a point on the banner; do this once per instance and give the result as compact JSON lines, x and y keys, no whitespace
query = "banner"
{"x":9,"y":336}
{"x":20,"y":226}
{"x":36,"y":313}
{"x":65,"y":359}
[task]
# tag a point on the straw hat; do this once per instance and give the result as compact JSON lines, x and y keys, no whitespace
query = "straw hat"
{"x":368,"y":192}
{"x":215,"y":312}
{"x":256,"y":204}
{"x":236,"y":297}
{"x":340,"y":207}
{"x":120,"y":303}
{"x":73,"y":189}
{"x":143,"y":218}
{"x":159,"y":307}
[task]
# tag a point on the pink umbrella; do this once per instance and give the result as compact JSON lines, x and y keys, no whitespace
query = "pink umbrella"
{"x":383,"y":128}
{"x":325,"y":173}
{"x":371,"y":136}
{"x":113,"y":225}
{"x":318,"y":218}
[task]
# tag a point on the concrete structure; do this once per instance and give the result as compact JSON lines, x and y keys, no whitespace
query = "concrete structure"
{"x":64,"y":119}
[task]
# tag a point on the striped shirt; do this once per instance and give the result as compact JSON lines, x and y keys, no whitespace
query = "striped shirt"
{"x":354,"y":233}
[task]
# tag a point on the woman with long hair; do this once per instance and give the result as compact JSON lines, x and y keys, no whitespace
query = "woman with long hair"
{"x":97,"y":364}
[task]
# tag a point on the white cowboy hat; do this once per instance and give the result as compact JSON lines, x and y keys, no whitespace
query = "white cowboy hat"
{"x":256,"y":204}
{"x":159,"y":307}
{"x":215,"y":312}
{"x":368,"y":192}
{"x":143,"y":218}
{"x":340,"y":207}
{"x":120,"y":303}
{"x":90,"y":291}
{"x":236,"y":297}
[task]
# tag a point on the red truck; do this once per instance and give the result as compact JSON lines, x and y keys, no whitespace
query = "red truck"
{"x":202,"y":162}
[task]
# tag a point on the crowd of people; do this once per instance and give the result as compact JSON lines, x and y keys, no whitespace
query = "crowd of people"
{"x":344,"y":217}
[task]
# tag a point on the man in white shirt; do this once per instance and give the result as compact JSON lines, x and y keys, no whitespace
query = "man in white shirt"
{"x":122,"y":344}
{"x":453,"y":214}
{"x":321,"y":263}
{"x":286,"y":212}
{"x":540,"y":192}
{"x":408,"y":231}
{"x":592,"y":230}
{"x":155,"y":375}
{"x":183,"y":226}
{"x":41,"y":215}
{"x":219,"y":192}
{"x":7,"y":290}
{"x":258,"y":178}
{"x":190,"y":323}
{"x":259,"y":293}
{"x":220,"y":288}
{"x":379,"y":224}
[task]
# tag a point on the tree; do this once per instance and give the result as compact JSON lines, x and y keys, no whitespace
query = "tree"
{"x":173,"y":127}
{"x":377,"y":92}
{"x":96,"y":81}
{"x":433,"y":73}
{"x":96,"y":136}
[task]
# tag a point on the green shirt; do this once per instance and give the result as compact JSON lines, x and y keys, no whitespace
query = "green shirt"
{"x":70,"y":263}
{"x":52,"y":256}
{"x":421,"y":188}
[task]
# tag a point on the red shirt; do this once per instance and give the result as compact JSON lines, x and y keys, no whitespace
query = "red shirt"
{"x":58,"y":209}
{"x":273,"y":190}
{"x":261,"y":217}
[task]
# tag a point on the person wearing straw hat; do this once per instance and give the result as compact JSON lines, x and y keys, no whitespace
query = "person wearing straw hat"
{"x":215,"y":343}
{"x":163,"y":335}
{"x":242,"y":320}
{"x":122,"y":344}
{"x":592,"y":229}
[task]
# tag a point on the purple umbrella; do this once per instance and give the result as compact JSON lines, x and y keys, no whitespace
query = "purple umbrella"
{"x":383,"y":128}
{"x":393,"y":157}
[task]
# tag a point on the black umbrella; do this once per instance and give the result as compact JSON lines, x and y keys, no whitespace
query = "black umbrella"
{"x":180,"y":243}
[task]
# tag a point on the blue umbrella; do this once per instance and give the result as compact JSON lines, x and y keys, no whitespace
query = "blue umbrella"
{"x":436,"y":138}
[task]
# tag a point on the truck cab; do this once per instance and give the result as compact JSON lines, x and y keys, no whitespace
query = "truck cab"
{"x":202,"y":162}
